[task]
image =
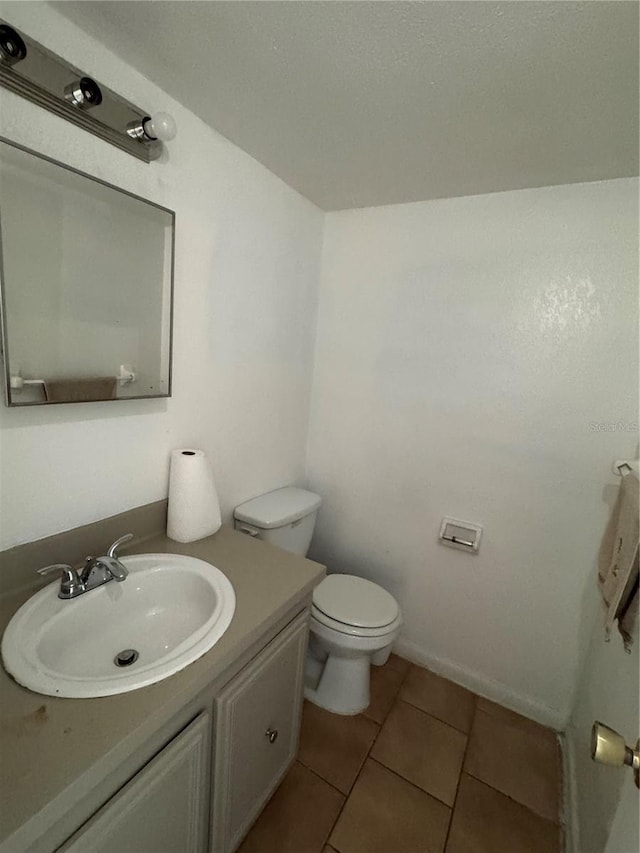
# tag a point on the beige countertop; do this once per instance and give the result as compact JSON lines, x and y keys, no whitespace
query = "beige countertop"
{"x":51,"y":749}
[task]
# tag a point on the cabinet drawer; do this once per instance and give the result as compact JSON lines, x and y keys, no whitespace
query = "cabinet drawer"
{"x":257,"y":728}
{"x":163,"y":809}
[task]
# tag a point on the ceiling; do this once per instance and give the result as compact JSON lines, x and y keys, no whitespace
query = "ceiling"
{"x":369,"y":103}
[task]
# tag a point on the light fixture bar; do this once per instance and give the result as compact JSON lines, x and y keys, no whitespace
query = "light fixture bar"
{"x":51,"y":82}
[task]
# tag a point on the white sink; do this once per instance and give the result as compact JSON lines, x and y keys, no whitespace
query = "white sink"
{"x":170,"y":610}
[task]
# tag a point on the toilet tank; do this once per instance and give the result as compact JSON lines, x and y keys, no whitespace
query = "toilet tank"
{"x":285,"y":517}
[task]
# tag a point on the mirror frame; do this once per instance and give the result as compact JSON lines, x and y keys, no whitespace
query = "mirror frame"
{"x":4,"y":338}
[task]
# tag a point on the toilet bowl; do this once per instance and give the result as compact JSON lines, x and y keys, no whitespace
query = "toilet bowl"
{"x":354,"y":622}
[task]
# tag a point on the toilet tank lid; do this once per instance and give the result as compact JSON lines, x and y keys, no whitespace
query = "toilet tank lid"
{"x":278,"y":508}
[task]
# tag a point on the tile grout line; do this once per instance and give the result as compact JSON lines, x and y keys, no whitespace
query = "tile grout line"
{"x":367,"y":755}
{"x":386,"y":717}
{"x":437,"y":719}
{"x":467,"y":735}
{"x":413,"y":784}
{"x":464,"y":758}
{"x":513,"y":799}
{"x":325,"y":842}
{"x":322,"y":779}
{"x":397,"y":699}
{"x":531,"y":810}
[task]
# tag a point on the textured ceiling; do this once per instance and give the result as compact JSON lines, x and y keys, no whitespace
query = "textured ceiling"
{"x":367,"y":103}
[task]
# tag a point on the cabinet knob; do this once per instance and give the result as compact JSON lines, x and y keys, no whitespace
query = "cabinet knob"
{"x":272,"y":734}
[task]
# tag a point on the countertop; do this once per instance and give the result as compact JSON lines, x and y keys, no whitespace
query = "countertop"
{"x":52,"y":748}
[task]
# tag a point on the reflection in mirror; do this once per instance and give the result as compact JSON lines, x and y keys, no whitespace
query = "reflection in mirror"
{"x":87,"y":277}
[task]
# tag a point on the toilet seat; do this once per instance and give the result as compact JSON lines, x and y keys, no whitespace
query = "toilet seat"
{"x":355,"y":606}
{"x":352,"y":630}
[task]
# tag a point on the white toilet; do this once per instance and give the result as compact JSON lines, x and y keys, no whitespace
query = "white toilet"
{"x":354,"y":622}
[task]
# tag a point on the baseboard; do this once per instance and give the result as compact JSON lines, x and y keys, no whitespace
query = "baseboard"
{"x":493,"y":690}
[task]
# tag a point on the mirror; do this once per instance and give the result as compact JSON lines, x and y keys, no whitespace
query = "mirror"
{"x":87,"y":284}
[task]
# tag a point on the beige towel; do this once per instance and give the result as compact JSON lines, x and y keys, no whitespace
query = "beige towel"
{"x":80,"y":390}
{"x":629,"y":618}
{"x":618,"y":561}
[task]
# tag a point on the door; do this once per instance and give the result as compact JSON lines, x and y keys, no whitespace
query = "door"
{"x":604,"y":800}
{"x":623,"y":836}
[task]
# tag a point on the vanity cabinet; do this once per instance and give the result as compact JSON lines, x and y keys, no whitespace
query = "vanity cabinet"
{"x":185,"y":764}
{"x":256,"y":734}
{"x":163,"y":809}
{"x":203,"y":790}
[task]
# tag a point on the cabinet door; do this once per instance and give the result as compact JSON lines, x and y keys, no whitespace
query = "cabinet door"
{"x":256,"y":733}
{"x":163,"y":809}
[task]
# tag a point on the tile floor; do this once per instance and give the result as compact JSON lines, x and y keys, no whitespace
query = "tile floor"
{"x":428,"y":768}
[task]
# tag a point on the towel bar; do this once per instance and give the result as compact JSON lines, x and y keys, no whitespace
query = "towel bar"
{"x":124,"y":377}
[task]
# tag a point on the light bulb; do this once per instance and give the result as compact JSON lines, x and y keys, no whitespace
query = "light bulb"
{"x":160,"y":126}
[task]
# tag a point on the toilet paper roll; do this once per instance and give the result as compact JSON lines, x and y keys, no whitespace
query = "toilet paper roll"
{"x":194,"y":509}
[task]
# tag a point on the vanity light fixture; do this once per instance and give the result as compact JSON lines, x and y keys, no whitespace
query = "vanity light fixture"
{"x":32,"y":71}
{"x":83,"y":93}
{"x":160,"y":126}
{"x":12,"y":47}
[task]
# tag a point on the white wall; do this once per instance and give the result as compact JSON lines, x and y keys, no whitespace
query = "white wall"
{"x":464,"y":349}
{"x":247,"y":255}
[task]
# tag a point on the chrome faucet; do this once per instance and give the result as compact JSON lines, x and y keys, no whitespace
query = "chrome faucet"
{"x":96,"y":571}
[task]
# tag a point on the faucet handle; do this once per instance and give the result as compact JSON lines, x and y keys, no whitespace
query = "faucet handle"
{"x":112,"y":550}
{"x":56,"y":567}
{"x":70,"y":583}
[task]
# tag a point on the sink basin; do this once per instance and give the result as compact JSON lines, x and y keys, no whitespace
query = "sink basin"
{"x":166,"y":614}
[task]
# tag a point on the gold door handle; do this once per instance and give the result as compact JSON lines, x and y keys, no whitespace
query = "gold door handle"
{"x":609,"y":747}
